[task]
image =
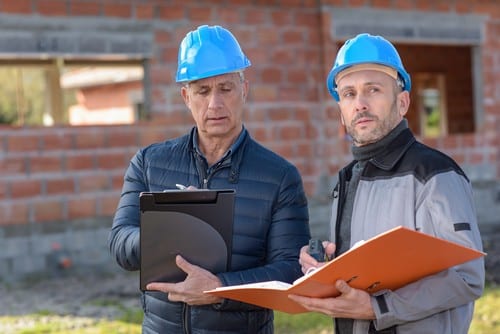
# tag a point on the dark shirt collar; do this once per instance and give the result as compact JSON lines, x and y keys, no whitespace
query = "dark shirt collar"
{"x":229,"y":152}
{"x":369,"y":151}
{"x":386,"y":152}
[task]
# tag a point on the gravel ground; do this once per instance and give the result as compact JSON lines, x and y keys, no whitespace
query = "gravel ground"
{"x":94,"y":296}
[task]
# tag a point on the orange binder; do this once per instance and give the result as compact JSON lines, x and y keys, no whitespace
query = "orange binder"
{"x":388,"y":261}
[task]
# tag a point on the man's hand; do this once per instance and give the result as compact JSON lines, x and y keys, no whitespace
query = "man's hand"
{"x":352,"y":303}
{"x":190,"y":291}
{"x":307,"y":261}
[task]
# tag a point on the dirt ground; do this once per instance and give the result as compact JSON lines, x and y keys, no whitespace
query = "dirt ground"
{"x":95,"y":296}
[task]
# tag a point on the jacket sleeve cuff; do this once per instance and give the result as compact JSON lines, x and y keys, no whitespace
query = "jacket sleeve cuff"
{"x":383,"y":314}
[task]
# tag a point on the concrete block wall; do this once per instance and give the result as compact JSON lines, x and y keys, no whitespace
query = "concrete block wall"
{"x":61,"y":184}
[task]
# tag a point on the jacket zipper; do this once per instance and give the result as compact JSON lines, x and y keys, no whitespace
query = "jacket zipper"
{"x":206,"y":178}
{"x":340,"y":205}
{"x":185,"y":318}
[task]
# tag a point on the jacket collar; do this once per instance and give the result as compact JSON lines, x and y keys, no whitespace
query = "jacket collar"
{"x":388,"y":158}
{"x":232,"y":158}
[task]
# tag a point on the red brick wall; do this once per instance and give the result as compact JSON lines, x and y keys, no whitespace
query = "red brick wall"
{"x":64,"y":173}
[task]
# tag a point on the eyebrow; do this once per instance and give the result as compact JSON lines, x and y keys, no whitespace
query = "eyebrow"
{"x":223,"y":83}
{"x":369,"y":83}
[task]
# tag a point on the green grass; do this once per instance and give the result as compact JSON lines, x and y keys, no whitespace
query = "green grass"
{"x":486,"y":313}
{"x":486,"y":321}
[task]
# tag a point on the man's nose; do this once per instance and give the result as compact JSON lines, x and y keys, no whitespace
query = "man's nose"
{"x":215,"y":100}
{"x":361,"y":102}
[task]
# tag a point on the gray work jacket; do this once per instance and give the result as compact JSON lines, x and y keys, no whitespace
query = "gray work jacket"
{"x":415,"y":186}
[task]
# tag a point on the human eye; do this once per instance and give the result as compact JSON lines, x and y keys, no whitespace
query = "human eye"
{"x":202,"y":91}
{"x":226,"y":88}
{"x":348,"y":93}
{"x":372,"y":89}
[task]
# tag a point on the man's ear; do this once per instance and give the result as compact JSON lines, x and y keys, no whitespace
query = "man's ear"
{"x":246,"y":86}
{"x":403,"y":102}
{"x":185,"y":95}
{"x":342,"y":119}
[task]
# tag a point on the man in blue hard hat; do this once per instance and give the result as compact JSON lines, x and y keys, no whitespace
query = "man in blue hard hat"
{"x":270,"y":212}
{"x":394,"y":180}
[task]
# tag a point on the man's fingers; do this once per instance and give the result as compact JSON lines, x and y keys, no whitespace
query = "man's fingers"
{"x":158,"y":286}
{"x":184,"y":265}
{"x":342,"y":286}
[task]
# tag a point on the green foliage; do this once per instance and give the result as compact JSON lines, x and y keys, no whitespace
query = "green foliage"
{"x":22,"y":95}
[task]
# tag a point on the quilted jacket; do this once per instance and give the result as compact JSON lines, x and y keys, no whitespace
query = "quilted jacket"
{"x":270,"y":227}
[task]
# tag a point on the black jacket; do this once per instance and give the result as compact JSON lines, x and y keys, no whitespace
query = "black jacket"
{"x":270,"y":227}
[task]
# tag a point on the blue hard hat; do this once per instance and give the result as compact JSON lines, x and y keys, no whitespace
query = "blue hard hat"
{"x":209,"y":51}
{"x":366,"y":49}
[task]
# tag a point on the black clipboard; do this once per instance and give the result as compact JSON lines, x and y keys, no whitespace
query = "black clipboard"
{"x":197,"y":224}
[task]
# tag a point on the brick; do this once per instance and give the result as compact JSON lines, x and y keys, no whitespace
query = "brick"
{"x":48,"y":210}
{"x":16,"y":7}
{"x":163,"y":37}
{"x":60,"y":186}
{"x":112,"y":160}
{"x":56,"y":141}
{"x":383,"y":4}
{"x":256,"y":16}
{"x":13,"y":165}
{"x":308,"y":20}
{"x":199,"y":14}
{"x":117,"y":181}
{"x":277,"y":115}
{"x":169,"y":54}
{"x":404,"y":4}
{"x":264,"y":92}
{"x":91,"y":183}
{"x":292,"y":93}
{"x":17,"y":143}
{"x":152,"y":136}
{"x":90,"y":139}
{"x":171,"y":12}
{"x":290,"y":132}
{"x":121,"y":137}
{"x":14,"y":213}
{"x":267,"y":37}
{"x":230,"y":15}
{"x":52,"y":7}
{"x":40,"y":164}
{"x":25,"y":188}
{"x":281,"y":18}
{"x":81,"y":208}
{"x":272,"y":76}
{"x":285,"y":150}
{"x":80,"y":161}
{"x":3,"y":189}
{"x":144,"y":11}
{"x":293,"y":37}
{"x":304,"y":149}
{"x":89,"y":8}
{"x":108,"y":203}
{"x":259,"y":133}
{"x":118,"y":10}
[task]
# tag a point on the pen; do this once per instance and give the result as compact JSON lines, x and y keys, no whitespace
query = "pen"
{"x":180,"y":186}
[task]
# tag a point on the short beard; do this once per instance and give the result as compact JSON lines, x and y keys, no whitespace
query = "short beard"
{"x":384,"y":126}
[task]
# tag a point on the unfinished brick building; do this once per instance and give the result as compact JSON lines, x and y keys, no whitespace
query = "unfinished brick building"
{"x":60,"y":182}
